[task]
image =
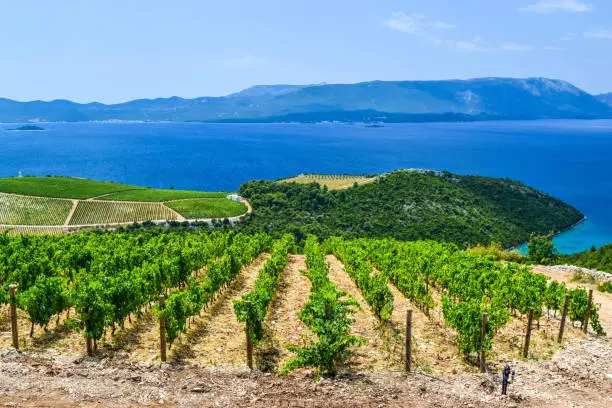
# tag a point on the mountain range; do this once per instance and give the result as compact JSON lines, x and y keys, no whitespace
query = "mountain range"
{"x":606,"y":98}
{"x":377,"y":101}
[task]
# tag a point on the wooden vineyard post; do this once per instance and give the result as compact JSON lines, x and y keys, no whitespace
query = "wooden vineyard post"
{"x":249,"y":342}
{"x":588,"y":312}
{"x":483,"y":333}
{"x":12,"y":290}
{"x":408,"y":339}
{"x":563,"y":317}
{"x":162,"y":329}
{"x":88,"y":345}
{"x":528,"y":334}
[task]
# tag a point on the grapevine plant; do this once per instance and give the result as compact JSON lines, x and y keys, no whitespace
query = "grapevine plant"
{"x":253,"y":306}
{"x":328,"y":315}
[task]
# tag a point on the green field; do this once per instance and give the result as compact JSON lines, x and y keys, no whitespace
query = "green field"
{"x":19,"y":210}
{"x":208,"y":208}
{"x":62,"y":187}
{"x":155,"y":195}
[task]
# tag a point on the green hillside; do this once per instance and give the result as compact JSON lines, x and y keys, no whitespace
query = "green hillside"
{"x":598,"y":259}
{"x":158,"y":195}
{"x":410,"y":205}
{"x":62,"y":187}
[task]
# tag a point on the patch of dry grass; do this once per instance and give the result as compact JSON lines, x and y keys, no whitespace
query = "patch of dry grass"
{"x":333,"y":182}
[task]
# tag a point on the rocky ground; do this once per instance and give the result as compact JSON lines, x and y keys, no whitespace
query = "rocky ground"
{"x":579,"y":376}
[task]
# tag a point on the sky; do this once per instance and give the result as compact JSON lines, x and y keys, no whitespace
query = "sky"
{"x":113,"y":51}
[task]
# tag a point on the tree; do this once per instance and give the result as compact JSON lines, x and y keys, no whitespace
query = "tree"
{"x":541,"y":249}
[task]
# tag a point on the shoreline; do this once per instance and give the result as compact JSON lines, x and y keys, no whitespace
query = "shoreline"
{"x":559,"y":232}
{"x":322,"y":122}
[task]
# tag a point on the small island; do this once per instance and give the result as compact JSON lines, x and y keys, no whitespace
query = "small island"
{"x":28,"y":128}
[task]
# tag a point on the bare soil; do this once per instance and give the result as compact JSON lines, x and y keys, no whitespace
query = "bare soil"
{"x":216,"y":337}
{"x":377,"y":353}
{"x":602,"y":298}
{"x":283,"y":326}
{"x":576,"y":377}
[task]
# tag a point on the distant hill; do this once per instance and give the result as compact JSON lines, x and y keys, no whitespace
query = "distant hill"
{"x":382,"y":101}
{"x":409,"y":205}
{"x":606,"y":98}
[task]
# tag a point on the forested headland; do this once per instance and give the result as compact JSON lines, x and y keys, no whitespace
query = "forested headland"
{"x":409,"y":205}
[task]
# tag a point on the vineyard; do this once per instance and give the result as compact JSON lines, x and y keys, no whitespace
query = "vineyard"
{"x":15,"y":209}
{"x":33,"y":201}
{"x":103,"y":212}
{"x":331,"y":181}
{"x":204,"y":291}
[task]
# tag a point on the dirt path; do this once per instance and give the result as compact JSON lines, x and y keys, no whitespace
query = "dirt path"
{"x":217,"y":338}
{"x":75,"y":203}
{"x":377,"y":354}
{"x":178,"y":216}
{"x":108,"y":194}
{"x":605,"y":299}
{"x":282,"y":323}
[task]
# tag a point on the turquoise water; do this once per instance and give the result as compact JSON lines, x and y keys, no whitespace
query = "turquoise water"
{"x":571,"y":160}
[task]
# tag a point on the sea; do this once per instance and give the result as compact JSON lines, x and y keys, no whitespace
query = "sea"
{"x":569,"y":159}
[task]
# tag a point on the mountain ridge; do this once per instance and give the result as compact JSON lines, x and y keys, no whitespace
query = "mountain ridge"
{"x":394,"y":101}
{"x":605,"y":98}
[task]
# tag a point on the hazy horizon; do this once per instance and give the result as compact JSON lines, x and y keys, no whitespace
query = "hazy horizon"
{"x":118,"y":51}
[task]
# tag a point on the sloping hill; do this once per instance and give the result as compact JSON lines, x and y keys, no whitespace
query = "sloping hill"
{"x":401,"y":101}
{"x":605,"y":98}
{"x":410,"y":205}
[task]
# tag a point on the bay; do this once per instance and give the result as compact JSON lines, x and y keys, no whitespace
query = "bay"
{"x":570,"y":159}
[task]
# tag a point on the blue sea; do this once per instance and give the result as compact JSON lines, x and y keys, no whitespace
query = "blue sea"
{"x":569,"y":159}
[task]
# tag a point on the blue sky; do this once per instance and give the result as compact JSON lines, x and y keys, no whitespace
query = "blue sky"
{"x":113,"y":51}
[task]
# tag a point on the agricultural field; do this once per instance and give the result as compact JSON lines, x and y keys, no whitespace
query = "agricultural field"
{"x":207,"y":208}
{"x":158,"y":195}
{"x":32,"y":201}
{"x":103,"y":212}
{"x":33,"y":230}
{"x":332,"y":181}
{"x":15,"y":209}
{"x":354,"y":295}
{"x":61,"y":187}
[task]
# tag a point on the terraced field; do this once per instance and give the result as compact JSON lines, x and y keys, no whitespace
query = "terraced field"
{"x":23,"y":210}
{"x":33,"y":230}
{"x":102,"y":212}
{"x":28,"y":202}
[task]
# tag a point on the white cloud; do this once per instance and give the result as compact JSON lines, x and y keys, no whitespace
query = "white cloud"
{"x":248,"y":61}
{"x":550,"y":6}
{"x":418,"y":25}
{"x":601,"y":34}
{"x":476,"y":45}
{"x":443,"y":25}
